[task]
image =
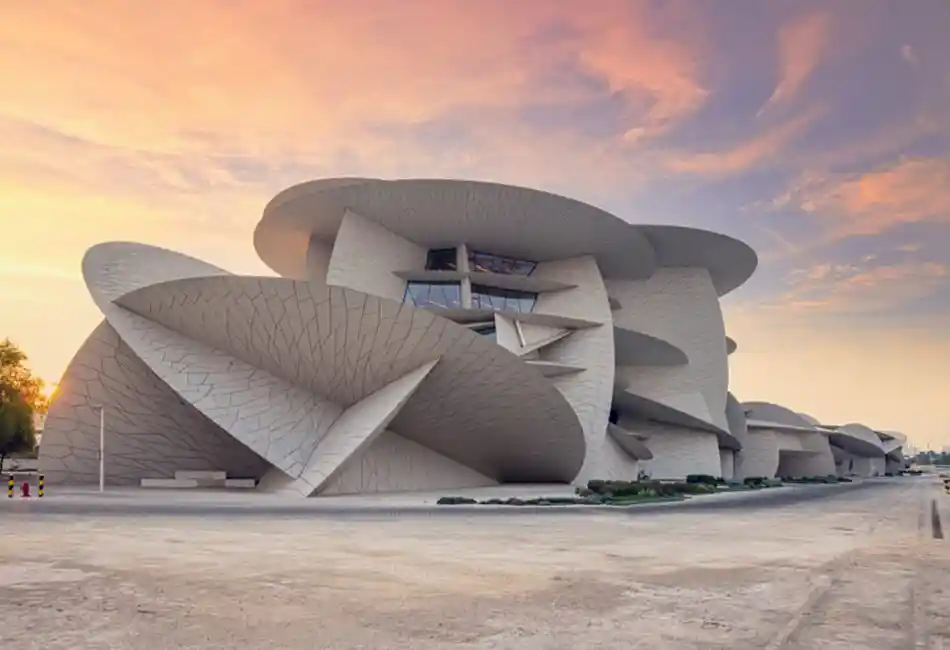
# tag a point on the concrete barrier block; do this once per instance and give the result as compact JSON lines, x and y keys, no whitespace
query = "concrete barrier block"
{"x":169,"y":483}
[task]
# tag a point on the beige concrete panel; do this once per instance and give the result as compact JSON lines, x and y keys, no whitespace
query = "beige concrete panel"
{"x":866,"y":466}
{"x":735,"y":417}
{"x":318,"y":261}
{"x":677,"y":451}
{"x":506,"y":334}
{"x":638,"y":349}
{"x":759,"y":455}
{"x":343,"y":345}
{"x":287,"y":250}
{"x":768,"y":412}
{"x":394,"y":464}
{"x":727,"y":462}
{"x":150,"y":431}
{"x":356,"y":429}
{"x":680,"y":306}
{"x":590,"y":391}
{"x":858,"y":440}
{"x":366,"y":255}
{"x":682,"y":409}
{"x":802,"y":453}
{"x":629,"y":442}
{"x":537,"y":336}
{"x":788,"y":441}
{"x":797,"y":464}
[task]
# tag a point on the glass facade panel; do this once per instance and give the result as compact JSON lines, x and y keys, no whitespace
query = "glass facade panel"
{"x":502,"y":299}
{"x":442,"y":259}
{"x":445,"y":295}
{"x":487,"y":263}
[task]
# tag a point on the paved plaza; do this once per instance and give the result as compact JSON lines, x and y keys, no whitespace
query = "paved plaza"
{"x":853,"y":568}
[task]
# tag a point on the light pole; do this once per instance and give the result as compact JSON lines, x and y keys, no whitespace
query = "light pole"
{"x":102,"y":446}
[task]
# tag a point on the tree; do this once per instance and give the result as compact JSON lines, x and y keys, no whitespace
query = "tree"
{"x":21,"y":395}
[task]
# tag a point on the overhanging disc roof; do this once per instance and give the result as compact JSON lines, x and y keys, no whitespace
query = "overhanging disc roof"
{"x":502,"y":219}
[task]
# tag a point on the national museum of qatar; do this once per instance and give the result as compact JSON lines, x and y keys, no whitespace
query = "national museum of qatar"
{"x":428,"y":334}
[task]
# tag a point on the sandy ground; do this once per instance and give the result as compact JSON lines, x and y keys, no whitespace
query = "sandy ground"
{"x":860,"y":570}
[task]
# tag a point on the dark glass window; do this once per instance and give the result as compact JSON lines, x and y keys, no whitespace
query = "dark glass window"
{"x":486,"y":330}
{"x":502,"y":299}
{"x":487,"y":263}
{"x":446,"y":295}
{"x":442,"y":259}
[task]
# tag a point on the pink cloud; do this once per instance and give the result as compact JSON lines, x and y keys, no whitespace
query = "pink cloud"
{"x":801,"y":44}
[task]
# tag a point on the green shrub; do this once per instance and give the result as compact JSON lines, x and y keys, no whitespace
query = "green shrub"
{"x":561,"y":500}
{"x":454,"y":501}
{"x":703,"y":478}
{"x":844,"y":479}
{"x":596,"y":486}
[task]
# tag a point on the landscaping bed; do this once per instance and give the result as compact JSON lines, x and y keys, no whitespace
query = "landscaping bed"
{"x":624,"y":493}
{"x":599,"y":492}
{"x":828,"y":480}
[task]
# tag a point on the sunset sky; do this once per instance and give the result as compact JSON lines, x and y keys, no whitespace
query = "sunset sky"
{"x":818,"y":132}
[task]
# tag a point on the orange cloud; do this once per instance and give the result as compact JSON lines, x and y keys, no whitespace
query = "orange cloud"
{"x":908,"y":191}
{"x":801,"y":45}
{"x":282,"y":76}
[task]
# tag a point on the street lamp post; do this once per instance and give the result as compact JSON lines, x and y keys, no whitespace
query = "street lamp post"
{"x":102,"y":446}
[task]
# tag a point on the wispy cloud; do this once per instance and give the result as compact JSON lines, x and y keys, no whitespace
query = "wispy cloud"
{"x":860,"y":288}
{"x":908,"y":54}
{"x":801,"y":44}
{"x":746,"y":154}
{"x":909,"y":191}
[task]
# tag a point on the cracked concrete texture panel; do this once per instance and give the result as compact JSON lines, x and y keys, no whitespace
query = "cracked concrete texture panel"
{"x":356,"y":429}
{"x":277,"y":420}
{"x":114,"y":269}
{"x":681,"y":306}
{"x":150,"y":431}
{"x":394,"y":464}
{"x":481,"y":406}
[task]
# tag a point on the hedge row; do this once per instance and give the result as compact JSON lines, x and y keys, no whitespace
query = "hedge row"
{"x":618,"y":489}
{"x":831,"y":478}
